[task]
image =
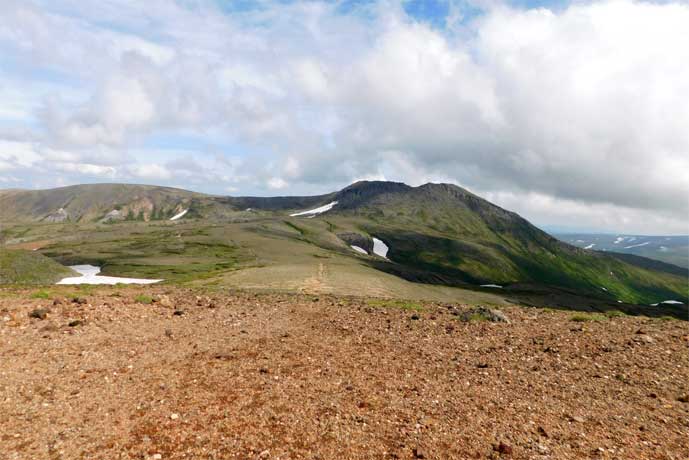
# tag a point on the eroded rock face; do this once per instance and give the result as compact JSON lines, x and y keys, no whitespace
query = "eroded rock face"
{"x":357,"y":239}
{"x":60,"y":215}
{"x":113,"y":216}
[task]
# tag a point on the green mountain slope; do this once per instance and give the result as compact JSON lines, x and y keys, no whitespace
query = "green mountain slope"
{"x":444,"y":234}
{"x":29,"y":267}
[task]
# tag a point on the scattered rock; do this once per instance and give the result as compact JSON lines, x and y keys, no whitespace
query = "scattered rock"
{"x":165,"y":301}
{"x":684,"y":398}
{"x":75,"y":323}
{"x":263,"y":370}
{"x":223,"y":356}
{"x":39,"y":313}
{"x":174,"y":416}
{"x":178,"y":312}
{"x":419,"y":453}
{"x":576,"y":418}
{"x":482,"y":365}
{"x":415,"y":316}
{"x":480,"y":313}
{"x":79,"y":300}
{"x":644,"y":338}
{"x":503,"y":449}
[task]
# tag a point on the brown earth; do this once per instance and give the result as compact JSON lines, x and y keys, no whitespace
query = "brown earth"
{"x":240,"y":375}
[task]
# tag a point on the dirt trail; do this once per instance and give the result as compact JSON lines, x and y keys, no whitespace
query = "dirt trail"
{"x":276,"y":376}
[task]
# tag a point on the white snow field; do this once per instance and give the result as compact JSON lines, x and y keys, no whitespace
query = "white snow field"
{"x":380,"y":248}
{"x":358,"y":249}
{"x":590,"y":246}
{"x":180,"y":215}
{"x":668,"y":302}
{"x":315,"y":212}
{"x":89,"y":275}
{"x":497,"y":286}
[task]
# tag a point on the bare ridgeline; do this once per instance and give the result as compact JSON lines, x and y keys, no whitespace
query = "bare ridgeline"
{"x":162,"y":373}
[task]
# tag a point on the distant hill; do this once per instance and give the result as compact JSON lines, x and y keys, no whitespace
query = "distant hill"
{"x":670,"y":249}
{"x":86,"y":203}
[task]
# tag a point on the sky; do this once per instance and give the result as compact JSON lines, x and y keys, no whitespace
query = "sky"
{"x":573,"y":114}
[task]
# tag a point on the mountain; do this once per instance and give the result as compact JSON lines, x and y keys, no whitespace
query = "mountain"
{"x":670,"y":249}
{"x":436,"y":235}
{"x":86,"y":203}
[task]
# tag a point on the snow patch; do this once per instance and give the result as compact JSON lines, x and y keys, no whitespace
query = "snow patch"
{"x":89,"y":275}
{"x":315,"y":212}
{"x":380,"y":248}
{"x":358,"y":249}
{"x":605,"y":289}
{"x":491,"y":286}
{"x":590,"y":246}
{"x":637,"y":245}
{"x":618,"y":240}
{"x":180,"y":215}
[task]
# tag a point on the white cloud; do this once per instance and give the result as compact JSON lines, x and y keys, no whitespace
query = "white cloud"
{"x":579,"y":109}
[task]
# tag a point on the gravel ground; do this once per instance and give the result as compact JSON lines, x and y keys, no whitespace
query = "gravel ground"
{"x":267,"y":376}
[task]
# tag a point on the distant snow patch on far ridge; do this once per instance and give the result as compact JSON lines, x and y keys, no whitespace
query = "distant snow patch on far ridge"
{"x":315,"y":212}
{"x":180,"y":215}
{"x":618,"y":240}
{"x":358,"y":249}
{"x":497,"y":286}
{"x":636,"y":245}
{"x":380,"y":248}
{"x":590,"y":246}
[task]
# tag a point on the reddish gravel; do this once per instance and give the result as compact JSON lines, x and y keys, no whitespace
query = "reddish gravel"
{"x":286,"y":377}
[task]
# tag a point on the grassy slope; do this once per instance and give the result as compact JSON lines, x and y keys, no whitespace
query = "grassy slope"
{"x":28,"y":267}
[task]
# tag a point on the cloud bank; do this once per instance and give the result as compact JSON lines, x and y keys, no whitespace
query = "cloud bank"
{"x":575,"y":116}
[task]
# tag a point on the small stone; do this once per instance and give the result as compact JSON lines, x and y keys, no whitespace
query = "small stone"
{"x":263,"y":370}
{"x":644,"y":338}
{"x":577,"y":419}
{"x":174,"y":416}
{"x":39,"y":313}
{"x":75,"y":323}
{"x":419,"y":453}
{"x":503,"y":449}
{"x":484,"y":314}
{"x":156,"y":456}
{"x":165,"y":301}
{"x":684,"y":398}
{"x":79,"y":300}
{"x":415,"y":317}
{"x":178,"y":312}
